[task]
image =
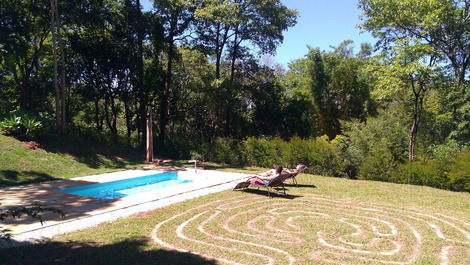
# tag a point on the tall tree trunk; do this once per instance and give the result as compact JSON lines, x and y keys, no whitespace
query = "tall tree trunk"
{"x":221,"y":40}
{"x":218,"y":52}
{"x":418,"y":93}
{"x":58,"y":108}
{"x":234,"y":55}
{"x":25,"y":84}
{"x":99,"y":124}
{"x":109,"y":120}
{"x":143,"y":94}
{"x":127,"y":114}
{"x":166,"y":90}
{"x":236,"y":42}
{"x":62,"y":88}
{"x":412,"y":142}
{"x":114,"y":111}
{"x":59,"y":97}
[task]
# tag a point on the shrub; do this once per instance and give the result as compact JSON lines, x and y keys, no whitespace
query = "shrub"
{"x":22,"y":125}
{"x":459,"y":172}
{"x":386,"y":133}
{"x":428,"y":173}
{"x":262,"y":152}
{"x":318,"y":154}
{"x":343,"y":161}
{"x":377,"y":165}
{"x":227,"y":150}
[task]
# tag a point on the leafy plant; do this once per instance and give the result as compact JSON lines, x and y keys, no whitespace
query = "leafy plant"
{"x":34,"y":210}
{"x":22,"y":125}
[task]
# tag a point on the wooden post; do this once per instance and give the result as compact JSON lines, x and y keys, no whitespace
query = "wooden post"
{"x":149,"y":136}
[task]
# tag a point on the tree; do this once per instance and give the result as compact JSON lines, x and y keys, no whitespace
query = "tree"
{"x":339,"y":88}
{"x":24,"y":30}
{"x":224,"y":25}
{"x":59,"y":88}
{"x":177,"y":16}
{"x":260,"y":22}
{"x":443,"y":24}
{"x":408,"y":72}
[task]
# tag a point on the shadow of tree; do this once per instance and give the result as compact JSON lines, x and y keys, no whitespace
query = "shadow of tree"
{"x":45,"y":194}
{"x":92,"y":153}
{"x":10,"y":177}
{"x":131,"y":251}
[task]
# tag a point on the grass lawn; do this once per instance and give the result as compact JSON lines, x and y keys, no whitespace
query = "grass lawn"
{"x":61,"y":157}
{"x":324,"y":221}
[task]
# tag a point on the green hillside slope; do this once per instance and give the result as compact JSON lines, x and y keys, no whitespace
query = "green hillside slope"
{"x":56,"y":158}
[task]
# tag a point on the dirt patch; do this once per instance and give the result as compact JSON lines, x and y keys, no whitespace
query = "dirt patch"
{"x":32,"y":145}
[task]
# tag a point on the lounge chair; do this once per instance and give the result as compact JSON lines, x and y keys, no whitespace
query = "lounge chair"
{"x":256,"y":182}
{"x":295,"y":173}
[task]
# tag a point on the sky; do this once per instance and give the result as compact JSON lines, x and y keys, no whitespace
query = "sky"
{"x":321,"y":23}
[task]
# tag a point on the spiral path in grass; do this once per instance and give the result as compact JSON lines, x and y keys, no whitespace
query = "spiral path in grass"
{"x":314,"y":230}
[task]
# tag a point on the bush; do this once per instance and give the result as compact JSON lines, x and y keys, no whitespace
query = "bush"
{"x":318,"y":154}
{"x":262,"y":152}
{"x":459,"y":172}
{"x":385,"y":136}
{"x":21,"y":125}
{"x":428,"y":173}
{"x":227,"y":150}
{"x":442,"y":174}
{"x":377,"y":165}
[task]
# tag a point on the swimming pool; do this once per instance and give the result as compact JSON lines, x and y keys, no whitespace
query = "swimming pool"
{"x":122,"y":188}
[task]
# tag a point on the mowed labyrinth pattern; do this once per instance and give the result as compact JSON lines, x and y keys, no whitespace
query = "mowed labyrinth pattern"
{"x":314,"y":230}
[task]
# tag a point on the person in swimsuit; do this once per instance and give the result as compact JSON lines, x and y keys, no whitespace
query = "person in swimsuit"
{"x":300,"y":167}
{"x":270,"y":175}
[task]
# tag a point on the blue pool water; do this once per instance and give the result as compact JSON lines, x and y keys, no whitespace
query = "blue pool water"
{"x":122,"y":188}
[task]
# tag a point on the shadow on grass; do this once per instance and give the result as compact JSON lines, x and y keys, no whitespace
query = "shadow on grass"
{"x":277,"y":194}
{"x":13,"y":177}
{"x":93,"y":154}
{"x":132,"y":251}
{"x":300,"y":185}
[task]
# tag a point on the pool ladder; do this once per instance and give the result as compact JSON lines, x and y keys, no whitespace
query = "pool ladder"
{"x":195,"y":165}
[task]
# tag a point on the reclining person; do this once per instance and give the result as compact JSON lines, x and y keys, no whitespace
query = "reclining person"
{"x":265,"y":178}
{"x":298,"y":168}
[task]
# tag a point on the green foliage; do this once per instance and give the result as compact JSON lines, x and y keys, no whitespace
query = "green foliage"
{"x":22,"y":125}
{"x":377,"y":165}
{"x":339,"y":87}
{"x":262,"y":152}
{"x":384,"y":135}
{"x":445,"y":151}
{"x":318,"y":154}
{"x":200,"y":75}
{"x":443,"y":25}
{"x":428,"y":173}
{"x":227,"y":150}
{"x":459,"y":172}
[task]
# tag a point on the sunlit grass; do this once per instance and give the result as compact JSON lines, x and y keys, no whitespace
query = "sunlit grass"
{"x":337,"y":198}
{"x":60,"y":159}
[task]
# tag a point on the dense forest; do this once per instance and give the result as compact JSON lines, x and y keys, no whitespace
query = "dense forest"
{"x":396,"y":110}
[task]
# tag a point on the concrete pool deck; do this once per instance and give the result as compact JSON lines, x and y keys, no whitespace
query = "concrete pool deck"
{"x":85,"y":212}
